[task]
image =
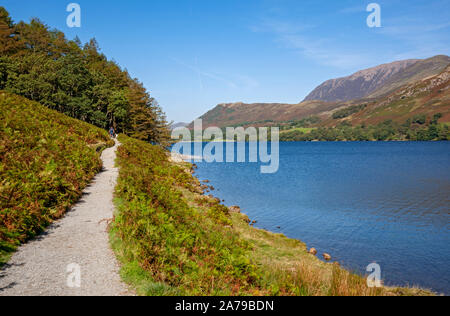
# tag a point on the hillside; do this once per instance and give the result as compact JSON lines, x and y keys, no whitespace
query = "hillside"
{"x":426,"y":97}
{"x":378,"y":81}
{"x":415,"y":112}
{"x":46,"y":159}
{"x":230,"y":114}
{"x":407,"y":94}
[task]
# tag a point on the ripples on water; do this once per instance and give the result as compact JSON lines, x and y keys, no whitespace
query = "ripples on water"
{"x":362,"y":202}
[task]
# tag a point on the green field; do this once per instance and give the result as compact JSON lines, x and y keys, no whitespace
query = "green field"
{"x":304,"y":130}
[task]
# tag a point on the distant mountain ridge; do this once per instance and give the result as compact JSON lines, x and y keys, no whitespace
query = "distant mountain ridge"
{"x":426,"y":97}
{"x":419,"y":71}
{"x":261,"y":114}
{"x":178,"y":125}
{"x":382,"y":89}
{"x":378,"y":81}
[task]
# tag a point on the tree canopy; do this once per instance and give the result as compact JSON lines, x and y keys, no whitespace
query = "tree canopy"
{"x":41,"y":64}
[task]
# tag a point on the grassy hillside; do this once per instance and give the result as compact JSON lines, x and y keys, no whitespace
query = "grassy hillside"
{"x":46,"y":159}
{"x":173,"y":240}
{"x":265,"y":114}
{"x":359,"y":84}
{"x":421,"y":70}
{"x":425,"y":97}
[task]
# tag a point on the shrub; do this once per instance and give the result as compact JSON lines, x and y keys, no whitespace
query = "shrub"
{"x":419,"y":119}
{"x":340,"y":114}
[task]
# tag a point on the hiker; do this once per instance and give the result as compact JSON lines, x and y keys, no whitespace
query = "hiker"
{"x":112,"y":132}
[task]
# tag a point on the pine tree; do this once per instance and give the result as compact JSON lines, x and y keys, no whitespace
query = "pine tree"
{"x":9,"y":42}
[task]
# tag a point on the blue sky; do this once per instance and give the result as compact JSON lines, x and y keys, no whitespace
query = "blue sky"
{"x":193,"y":54}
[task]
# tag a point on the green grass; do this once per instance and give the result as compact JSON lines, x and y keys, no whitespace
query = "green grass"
{"x":46,"y":159}
{"x":305,"y":130}
{"x":132,"y":273}
{"x":6,"y":254}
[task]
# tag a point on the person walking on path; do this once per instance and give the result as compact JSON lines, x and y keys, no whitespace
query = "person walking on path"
{"x":112,"y":132}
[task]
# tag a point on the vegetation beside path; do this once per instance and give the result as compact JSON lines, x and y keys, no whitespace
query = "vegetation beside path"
{"x":167,"y":246}
{"x":46,"y":160}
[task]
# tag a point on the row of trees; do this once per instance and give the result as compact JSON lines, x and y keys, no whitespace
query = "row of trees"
{"x":43,"y":65}
{"x":303,"y":123}
{"x":340,"y":114}
{"x":411,"y":130}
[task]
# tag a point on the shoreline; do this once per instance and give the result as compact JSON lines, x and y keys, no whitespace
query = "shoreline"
{"x":179,"y":158}
{"x":236,"y":211}
{"x":322,"y":141}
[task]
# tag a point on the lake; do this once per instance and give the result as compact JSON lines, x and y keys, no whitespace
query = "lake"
{"x":362,"y":202}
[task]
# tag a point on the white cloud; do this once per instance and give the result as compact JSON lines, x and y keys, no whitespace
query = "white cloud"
{"x":423,"y":39}
{"x":351,"y":10}
{"x":406,"y":37}
{"x":209,"y":75}
{"x":323,"y":51}
{"x":412,"y":29}
{"x":235,"y":81}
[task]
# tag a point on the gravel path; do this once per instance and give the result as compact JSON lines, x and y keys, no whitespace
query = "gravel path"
{"x":48,"y":265}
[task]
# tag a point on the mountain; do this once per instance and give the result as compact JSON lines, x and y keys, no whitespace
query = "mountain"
{"x":378,"y":81}
{"x":426,"y":97}
{"x":419,"y":111}
{"x":419,"y":71}
{"x":378,"y":88}
{"x":177,"y":125}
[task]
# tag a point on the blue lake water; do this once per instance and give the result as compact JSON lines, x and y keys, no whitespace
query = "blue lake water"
{"x":387,"y":203}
